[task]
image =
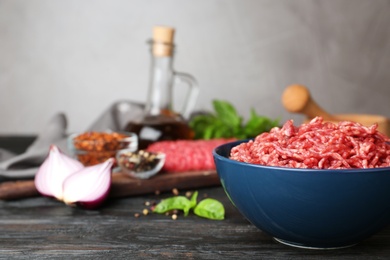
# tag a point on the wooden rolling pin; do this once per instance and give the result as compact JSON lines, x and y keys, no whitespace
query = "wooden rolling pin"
{"x":297,"y":99}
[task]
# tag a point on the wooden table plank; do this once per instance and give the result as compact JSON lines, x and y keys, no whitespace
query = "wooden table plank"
{"x":41,"y":228}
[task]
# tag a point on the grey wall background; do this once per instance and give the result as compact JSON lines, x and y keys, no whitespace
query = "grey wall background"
{"x":78,"y":57}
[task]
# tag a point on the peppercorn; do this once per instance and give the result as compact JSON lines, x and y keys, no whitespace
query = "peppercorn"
{"x":175,"y":191}
{"x":188,"y":194}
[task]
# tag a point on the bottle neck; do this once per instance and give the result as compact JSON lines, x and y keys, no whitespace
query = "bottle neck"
{"x":161,"y":80}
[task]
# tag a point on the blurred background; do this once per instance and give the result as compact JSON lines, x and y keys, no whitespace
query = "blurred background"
{"x":79,"y":57}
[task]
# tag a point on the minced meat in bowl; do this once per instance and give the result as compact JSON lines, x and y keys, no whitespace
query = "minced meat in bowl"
{"x":317,"y":145}
{"x":305,"y":201}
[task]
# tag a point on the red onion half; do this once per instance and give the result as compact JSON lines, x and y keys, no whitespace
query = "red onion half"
{"x":88,"y":187}
{"x":53,"y":171}
{"x":67,"y":180}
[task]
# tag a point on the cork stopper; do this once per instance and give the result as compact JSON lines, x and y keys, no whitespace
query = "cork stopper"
{"x":163,"y":41}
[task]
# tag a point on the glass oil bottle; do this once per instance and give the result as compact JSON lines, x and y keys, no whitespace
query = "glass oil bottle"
{"x":159,"y":120}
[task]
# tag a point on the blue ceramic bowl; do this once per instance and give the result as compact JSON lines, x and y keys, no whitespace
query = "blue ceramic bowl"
{"x":306,"y":207}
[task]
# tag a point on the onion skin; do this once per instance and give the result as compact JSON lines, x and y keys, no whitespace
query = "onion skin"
{"x":88,"y":187}
{"x":53,"y":171}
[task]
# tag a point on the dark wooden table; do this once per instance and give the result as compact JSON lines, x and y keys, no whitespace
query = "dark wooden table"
{"x":42,"y":228}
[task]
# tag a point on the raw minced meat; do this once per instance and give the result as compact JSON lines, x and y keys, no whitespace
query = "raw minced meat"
{"x":187,"y":155}
{"x":317,"y":145}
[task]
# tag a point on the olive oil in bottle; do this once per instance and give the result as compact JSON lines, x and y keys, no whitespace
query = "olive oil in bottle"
{"x":159,"y":121}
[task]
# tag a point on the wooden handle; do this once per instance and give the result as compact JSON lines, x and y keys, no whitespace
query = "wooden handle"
{"x":11,"y":190}
{"x":297,"y":99}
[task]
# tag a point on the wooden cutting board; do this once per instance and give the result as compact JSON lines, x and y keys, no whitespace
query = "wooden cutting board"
{"x":123,"y":185}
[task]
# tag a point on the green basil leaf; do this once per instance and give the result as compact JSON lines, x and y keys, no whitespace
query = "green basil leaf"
{"x":211,"y":209}
{"x":258,"y":124}
{"x":226,"y":123}
{"x":200,"y":123}
{"x":177,"y":202}
{"x":227,"y":113}
{"x":208,"y":132}
{"x":221,"y":130}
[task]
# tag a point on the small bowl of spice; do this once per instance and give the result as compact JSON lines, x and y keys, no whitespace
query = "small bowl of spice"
{"x":140,"y":164}
{"x":93,"y":147}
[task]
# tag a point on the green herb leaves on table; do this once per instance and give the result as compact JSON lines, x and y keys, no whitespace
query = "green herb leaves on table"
{"x":210,"y":208}
{"x":206,"y":208}
{"x":225,"y":122}
{"x":177,"y":202}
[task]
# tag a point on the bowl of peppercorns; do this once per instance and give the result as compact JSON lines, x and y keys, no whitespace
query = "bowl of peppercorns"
{"x":140,"y":164}
{"x":94,"y":147}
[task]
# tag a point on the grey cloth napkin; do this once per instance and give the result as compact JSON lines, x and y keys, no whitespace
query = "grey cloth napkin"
{"x":25,"y":165}
{"x":117,"y":116}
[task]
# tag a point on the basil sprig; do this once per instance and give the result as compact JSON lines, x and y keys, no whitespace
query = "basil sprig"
{"x":206,"y":208}
{"x":225,"y":122}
